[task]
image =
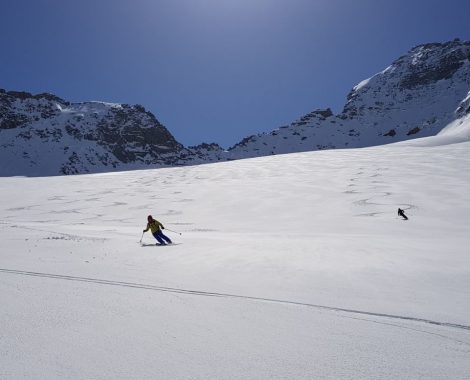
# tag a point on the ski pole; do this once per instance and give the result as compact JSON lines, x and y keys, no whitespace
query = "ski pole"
{"x":140,"y":241}
{"x":176,"y":232}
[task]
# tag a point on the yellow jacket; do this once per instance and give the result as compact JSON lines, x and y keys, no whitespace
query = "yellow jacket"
{"x":154,"y":226}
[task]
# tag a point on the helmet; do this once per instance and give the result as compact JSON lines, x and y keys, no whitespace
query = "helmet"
{"x":149,"y":218}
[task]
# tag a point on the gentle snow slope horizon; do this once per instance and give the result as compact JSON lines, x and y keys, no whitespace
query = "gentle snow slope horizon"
{"x":289,"y":266}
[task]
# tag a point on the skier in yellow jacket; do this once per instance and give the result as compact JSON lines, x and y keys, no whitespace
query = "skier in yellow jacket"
{"x":156,"y":227}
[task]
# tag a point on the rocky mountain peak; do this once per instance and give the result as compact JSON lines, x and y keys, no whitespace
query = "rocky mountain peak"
{"x":412,"y":74}
{"x":416,"y":96}
{"x":83,"y":137}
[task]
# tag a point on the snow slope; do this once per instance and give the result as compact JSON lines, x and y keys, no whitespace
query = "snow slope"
{"x":290,"y":266}
{"x":455,"y":132}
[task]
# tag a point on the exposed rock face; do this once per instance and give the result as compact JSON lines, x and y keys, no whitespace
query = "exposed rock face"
{"x":10,"y":118}
{"x":434,"y":62}
{"x":416,"y":96}
{"x":80,"y":137}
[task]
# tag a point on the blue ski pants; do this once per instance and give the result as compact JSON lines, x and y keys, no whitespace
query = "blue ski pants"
{"x":161,"y":238}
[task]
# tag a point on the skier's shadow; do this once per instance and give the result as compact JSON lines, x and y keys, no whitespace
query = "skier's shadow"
{"x":158,"y":245}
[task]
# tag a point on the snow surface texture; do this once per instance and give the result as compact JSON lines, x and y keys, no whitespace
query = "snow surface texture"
{"x":290,"y":266}
{"x":416,"y":96}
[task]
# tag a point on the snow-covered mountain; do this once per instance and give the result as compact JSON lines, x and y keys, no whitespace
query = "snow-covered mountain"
{"x":48,"y":135}
{"x":417,"y":96}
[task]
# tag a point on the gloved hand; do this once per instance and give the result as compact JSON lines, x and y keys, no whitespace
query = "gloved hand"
{"x":143,"y":231}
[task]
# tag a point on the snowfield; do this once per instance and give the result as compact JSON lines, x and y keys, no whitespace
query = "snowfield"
{"x":288,"y":267}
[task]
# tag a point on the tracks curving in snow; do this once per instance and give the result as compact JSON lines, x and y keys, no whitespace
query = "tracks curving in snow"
{"x":227,"y":295}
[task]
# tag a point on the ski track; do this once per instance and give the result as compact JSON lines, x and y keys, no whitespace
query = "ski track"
{"x":375,"y":191}
{"x":253,"y":298}
{"x":63,"y":235}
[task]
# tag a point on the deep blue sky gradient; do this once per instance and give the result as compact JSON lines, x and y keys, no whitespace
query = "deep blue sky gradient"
{"x":214,"y":70}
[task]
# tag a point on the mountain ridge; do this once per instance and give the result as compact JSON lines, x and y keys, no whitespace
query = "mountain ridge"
{"x":418,"y":95}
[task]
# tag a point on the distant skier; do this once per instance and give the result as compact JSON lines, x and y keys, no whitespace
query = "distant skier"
{"x":402,"y":214}
{"x":156,"y":227}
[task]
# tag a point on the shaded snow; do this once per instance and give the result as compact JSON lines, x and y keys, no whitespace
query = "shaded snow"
{"x":456,"y":132}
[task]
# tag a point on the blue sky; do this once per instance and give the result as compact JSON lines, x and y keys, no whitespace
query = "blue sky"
{"x":214,"y":70}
